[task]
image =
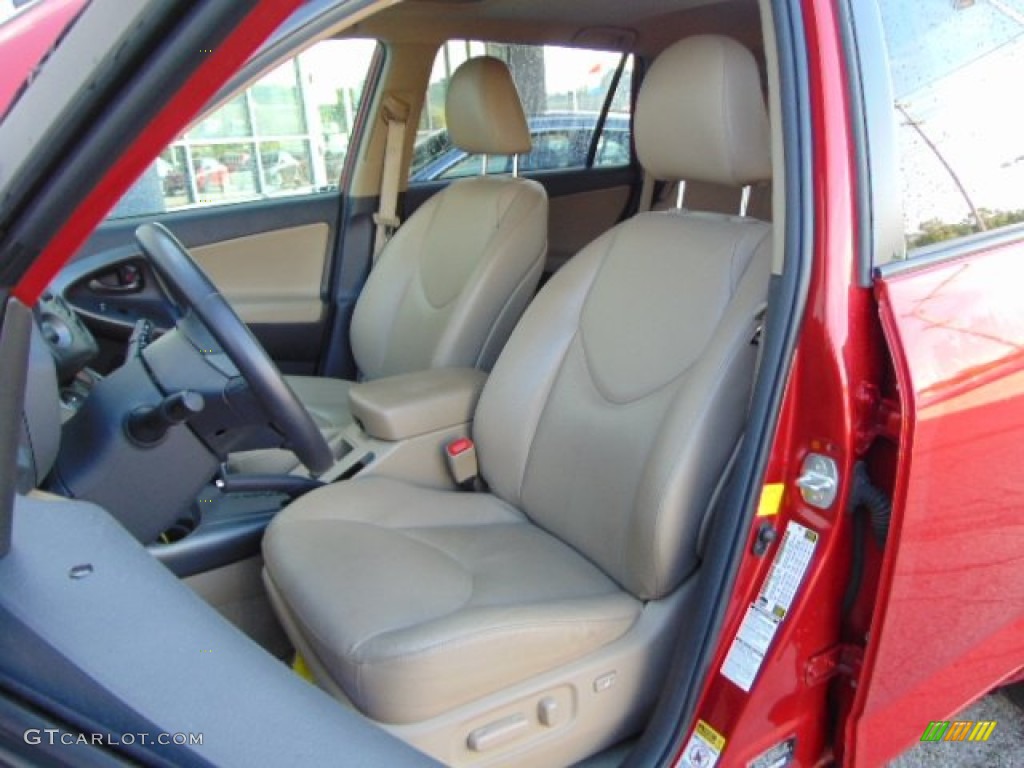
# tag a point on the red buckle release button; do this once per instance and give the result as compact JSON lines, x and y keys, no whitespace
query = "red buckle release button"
{"x":463,"y":444}
{"x":461,"y":455}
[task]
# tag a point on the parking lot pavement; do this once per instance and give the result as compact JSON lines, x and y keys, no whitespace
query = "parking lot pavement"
{"x":1004,"y":749}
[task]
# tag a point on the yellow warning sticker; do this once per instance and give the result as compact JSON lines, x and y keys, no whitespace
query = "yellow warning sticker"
{"x":710,"y":735}
{"x":703,"y":749}
{"x":771,"y":499}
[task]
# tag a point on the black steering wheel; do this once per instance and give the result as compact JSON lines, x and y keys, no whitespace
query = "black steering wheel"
{"x":190,"y":284}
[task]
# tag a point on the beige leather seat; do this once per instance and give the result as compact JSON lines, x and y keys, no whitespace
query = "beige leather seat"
{"x":451,"y":284}
{"x":539,"y":614}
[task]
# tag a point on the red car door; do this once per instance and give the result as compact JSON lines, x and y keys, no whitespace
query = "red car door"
{"x":948,"y":623}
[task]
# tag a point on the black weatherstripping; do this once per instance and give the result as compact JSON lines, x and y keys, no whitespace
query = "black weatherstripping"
{"x":867,"y":497}
{"x":730,"y":524}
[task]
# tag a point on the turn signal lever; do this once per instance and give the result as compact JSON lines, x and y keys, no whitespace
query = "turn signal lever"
{"x":147,"y":425}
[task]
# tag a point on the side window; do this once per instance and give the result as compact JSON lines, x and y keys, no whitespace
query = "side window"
{"x":956,"y":70}
{"x":565,"y":93}
{"x":286,"y":134}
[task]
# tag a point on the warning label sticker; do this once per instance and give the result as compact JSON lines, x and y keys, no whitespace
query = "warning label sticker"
{"x":704,"y":747}
{"x":765,"y":615}
{"x":788,"y":570}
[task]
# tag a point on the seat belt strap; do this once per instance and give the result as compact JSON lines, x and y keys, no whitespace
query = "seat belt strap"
{"x":396,"y":117}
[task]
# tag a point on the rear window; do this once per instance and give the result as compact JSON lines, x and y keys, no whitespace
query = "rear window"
{"x":577,"y":103}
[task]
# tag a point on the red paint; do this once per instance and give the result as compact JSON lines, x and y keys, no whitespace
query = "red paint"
{"x":164,"y":128}
{"x":949,"y":624}
{"x":26,"y":38}
{"x":837,"y":351}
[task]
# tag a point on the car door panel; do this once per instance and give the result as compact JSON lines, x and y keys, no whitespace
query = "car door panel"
{"x":261,"y":283}
{"x":948,"y":626}
{"x":269,"y":257}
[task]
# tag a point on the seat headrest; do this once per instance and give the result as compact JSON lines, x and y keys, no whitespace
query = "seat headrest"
{"x":700,"y":115}
{"x":484,"y":113}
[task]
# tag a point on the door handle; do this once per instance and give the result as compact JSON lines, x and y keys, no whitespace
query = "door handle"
{"x":96,"y":286}
{"x":127,"y":278}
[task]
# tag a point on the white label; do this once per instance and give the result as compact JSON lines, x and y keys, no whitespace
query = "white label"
{"x":788,"y":570}
{"x":742,"y":663}
{"x":757,"y":630}
{"x":765,"y":615}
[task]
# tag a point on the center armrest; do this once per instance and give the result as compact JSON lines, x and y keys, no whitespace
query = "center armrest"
{"x":400,"y":407}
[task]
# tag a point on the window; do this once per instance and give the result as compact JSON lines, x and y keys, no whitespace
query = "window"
{"x":564,"y":93}
{"x":286,"y":134}
{"x":956,"y":66}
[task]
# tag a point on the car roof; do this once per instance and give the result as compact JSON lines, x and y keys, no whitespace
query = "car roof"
{"x":644,"y":27}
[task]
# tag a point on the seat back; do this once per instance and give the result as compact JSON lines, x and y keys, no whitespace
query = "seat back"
{"x":453,"y":281}
{"x":611,"y":413}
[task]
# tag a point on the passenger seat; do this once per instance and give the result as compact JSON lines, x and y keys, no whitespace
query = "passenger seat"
{"x":451,"y":284}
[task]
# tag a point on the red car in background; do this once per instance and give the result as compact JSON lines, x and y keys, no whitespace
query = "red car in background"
{"x":211,"y":174}
{"x":860,"y":578}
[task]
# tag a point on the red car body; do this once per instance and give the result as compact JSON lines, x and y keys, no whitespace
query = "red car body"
{"x":928,"y":357}
{"x":26,"y":38}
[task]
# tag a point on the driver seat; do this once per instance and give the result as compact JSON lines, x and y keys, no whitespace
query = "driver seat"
{"x":539,"y":615}
{"x":451,"y":284}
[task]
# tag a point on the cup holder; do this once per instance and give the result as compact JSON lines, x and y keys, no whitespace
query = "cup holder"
{"x":181,"y":528}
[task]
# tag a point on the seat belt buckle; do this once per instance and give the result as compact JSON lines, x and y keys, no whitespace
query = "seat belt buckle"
{"x":461,"y":456}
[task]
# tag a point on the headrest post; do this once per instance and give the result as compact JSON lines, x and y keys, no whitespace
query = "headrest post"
{"x":744,"y":200}
{"x":515,"y":165}
{"x":680,"y":193}
{"x":483,"y":163}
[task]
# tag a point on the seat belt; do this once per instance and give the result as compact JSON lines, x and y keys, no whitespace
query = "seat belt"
{"x":396,"y":114}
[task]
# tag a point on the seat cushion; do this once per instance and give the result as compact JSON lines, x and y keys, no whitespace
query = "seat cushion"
{"x":417,"y":600}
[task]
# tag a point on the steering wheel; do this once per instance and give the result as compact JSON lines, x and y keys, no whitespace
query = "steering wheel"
{"x":187,"y":281}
